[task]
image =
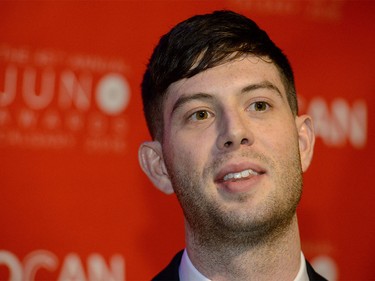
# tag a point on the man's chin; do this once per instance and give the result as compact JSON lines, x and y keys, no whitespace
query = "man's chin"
{"x":240,"y":229}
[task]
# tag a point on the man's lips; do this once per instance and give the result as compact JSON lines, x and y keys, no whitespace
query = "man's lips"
{"x":240,"y":175}
{"x":238,"y":172}
{"x":239,"y":178}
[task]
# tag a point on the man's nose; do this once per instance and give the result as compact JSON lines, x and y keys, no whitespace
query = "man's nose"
{"x":234,"y":130}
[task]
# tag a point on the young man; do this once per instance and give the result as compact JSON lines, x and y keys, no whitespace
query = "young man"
{"x":220,"y":103}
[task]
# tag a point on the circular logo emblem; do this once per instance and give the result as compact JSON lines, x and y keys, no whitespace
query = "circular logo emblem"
{"x":112,"y":94}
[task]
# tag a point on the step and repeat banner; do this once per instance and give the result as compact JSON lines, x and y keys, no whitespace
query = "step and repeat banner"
{"x":74,"y":204}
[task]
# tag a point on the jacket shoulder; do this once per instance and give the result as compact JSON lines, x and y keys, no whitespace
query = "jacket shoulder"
{"x":170,"y":273}
{"x":313,"y":275}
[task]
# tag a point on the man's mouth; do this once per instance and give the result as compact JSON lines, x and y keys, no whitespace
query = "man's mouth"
{"x":240,"y":175}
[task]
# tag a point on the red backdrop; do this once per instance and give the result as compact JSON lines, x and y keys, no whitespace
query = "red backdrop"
{"x":73,"y":200}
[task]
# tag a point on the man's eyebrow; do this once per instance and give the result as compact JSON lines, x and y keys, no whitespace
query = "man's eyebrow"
{"x":185,"y":99}
{"x":262,"y":85}
{"x":203,"y":96}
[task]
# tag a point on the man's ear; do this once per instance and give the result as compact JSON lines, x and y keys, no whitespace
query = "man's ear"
{"x":306,"y":139}
{"x":150,"y":158}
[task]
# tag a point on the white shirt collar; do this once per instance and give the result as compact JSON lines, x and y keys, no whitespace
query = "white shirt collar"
{"x":188,"y":272}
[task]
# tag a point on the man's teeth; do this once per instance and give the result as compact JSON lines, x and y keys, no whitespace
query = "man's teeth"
{"x":240,"y":175}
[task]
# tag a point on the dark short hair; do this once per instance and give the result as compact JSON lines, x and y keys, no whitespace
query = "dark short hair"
{"x":202,"y":42}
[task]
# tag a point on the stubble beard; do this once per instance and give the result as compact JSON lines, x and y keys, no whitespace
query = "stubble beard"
{"x":213,"y":227}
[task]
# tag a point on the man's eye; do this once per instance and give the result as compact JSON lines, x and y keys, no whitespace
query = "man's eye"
{"x":200,"y":115}
{"x":259,"y":106}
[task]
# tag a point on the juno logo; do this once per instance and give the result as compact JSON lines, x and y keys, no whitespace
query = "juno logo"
{"x":66,"y":90}
{"x":58,"y":100}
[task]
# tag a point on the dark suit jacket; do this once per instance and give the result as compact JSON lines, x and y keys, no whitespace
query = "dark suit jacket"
{"x":170,"y":273}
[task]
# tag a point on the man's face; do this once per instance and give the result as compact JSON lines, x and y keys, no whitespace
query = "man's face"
{"x":231,"y":149}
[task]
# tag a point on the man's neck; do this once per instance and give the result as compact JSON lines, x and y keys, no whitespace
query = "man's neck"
{"x":278,"y":258}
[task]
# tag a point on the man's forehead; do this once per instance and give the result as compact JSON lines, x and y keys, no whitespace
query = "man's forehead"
{"x":239,"y":73}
